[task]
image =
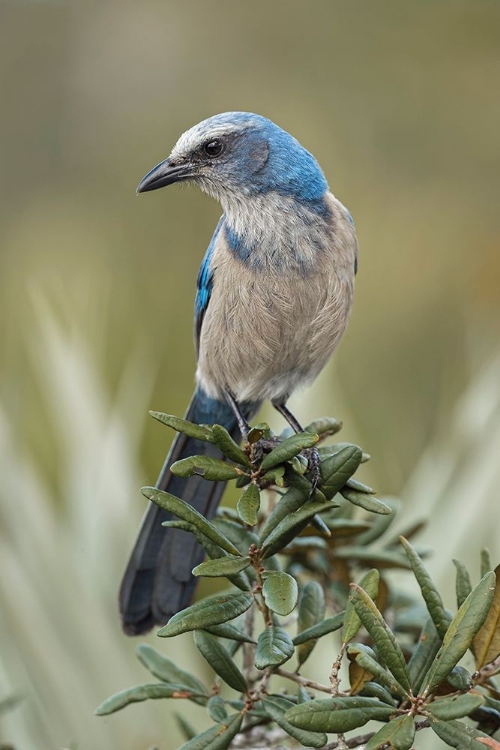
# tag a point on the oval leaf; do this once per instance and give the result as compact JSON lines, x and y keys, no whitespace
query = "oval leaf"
{"x":456,"y":734}
{"x":274,"y":647}
{"x":229,"y":447}
{"x":249,"y":504}
{"x":143,"y":693}
{"x":165,"y":669}
{"x":388,"y":648}
{"x":275,"y":708}
{"x":311,"y":612}
{"x":366,"y":660}
{"x":324,"y":426}
{"x":398,"y":734}
{"x":196,"y":431}
{"x":329,"y":625}
{"x":423,"y":655}
{"x":432,"y":598}
{"x":338,"y":468}
{"x":222,"y":566}
{"x":367,"y":502}
{"x":337,"y":714}
{"x":219,"y":659}
{"x":463,"y":584}
{"x":456,"y":707}
{"x":486,"y":644}
{"x":352,"y":623}
{"x":207,"y":612}
{"x":187,"y":513}
{"x":462,"y":631}
{"x":290,"y":526}
{"x":216,"y":707}
{"x":230,"y":632}
{"x":218,"y":737}
{"x":291,"y":501}
{"x":280,"y":593}
{"x":287,"y":449}
{"x":213,"y":469}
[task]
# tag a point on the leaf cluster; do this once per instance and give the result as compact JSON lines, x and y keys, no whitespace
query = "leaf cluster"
{"x":290,"y":554}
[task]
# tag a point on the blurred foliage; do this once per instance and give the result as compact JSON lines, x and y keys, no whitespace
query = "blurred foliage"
{"x":397,"y":101}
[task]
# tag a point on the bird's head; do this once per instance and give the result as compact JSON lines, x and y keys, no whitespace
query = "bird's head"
{"x":237,"y":155}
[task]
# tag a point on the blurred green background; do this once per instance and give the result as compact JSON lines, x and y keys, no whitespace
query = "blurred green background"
{"x":399,"y":102}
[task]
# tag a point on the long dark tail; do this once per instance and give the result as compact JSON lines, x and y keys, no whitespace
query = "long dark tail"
{"x":158,"y":581}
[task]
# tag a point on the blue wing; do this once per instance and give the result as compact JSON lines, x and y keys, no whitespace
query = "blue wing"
{"x":204,"y":285}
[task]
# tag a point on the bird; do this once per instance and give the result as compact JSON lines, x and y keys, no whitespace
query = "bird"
{"x":273,"y":298}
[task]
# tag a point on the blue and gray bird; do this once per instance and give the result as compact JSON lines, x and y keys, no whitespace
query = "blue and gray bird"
{"x":274,"y":294}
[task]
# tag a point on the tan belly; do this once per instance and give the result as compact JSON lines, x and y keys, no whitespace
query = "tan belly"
{"x":263,"y":337}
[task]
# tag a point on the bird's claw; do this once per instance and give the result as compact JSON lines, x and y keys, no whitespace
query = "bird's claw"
{"x":312,"y":456}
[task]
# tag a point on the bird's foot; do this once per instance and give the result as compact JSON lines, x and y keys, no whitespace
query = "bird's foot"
{"x":312,"y":456}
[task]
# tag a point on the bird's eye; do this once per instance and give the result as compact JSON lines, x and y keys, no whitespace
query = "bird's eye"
{"x":213,"y":148}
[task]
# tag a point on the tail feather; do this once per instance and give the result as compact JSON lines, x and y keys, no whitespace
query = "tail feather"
{"x":158,"y":582}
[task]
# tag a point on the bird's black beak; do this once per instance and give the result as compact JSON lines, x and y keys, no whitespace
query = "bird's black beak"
{"x":164,"y":174}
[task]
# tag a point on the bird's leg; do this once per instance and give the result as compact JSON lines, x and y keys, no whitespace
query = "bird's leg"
{"x":312,"y":453}
{"x":242,"y":422}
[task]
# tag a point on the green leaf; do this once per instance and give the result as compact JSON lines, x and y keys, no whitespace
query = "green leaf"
{"x":291,"y":526}
{"x":423,"y":655}
{"x":367,"y":502}
{"x":433,"y":601}
{"x":213,"y":469}
{"x":365,"y":657}
{"x":187,"y":513}
{"x":218,"y":737}
{"x":216,"y":708}
{"x":275,"y":707}
{"x":463,"y":585}
{"x":379,"y":558}
{"x":199,"y":432}
{"x":280,"y":593}
{"x":291,"y":501}
{"x":398,"y":734}
{"x":274,"y":647}
{"x":486,"y":564}
{"x":165,"y":669}
{"x":461,"y":632}
{"x":249,"y":504}
{"x":352,"y":623}
{"x":380,"y":524}
{"x":354,"y":484}
{"x":207,"y":612}
{"x":388,"y":648}
{"x":187,"y":730}
{"x":143,"y":693}
{"x":329,"y":625}
{"x":455,"y":707}
{"x":274,"y":476}
{"x":324,"y":426}
{"x":239,"y":535}
{"x":219,"y":659}
{"x":287,"y":449}
{"x":348,"y":526}
{"x":456,"y":734}
{"x":229,"y":447}
{"x":222,"y":566}
{"x":338,"y":468}
{"x":460,"y":679}
{"x":486,"y":644}
{"x":377,"y":691}
{"x":230,"y":632}
{"x":337,"y":714}
{"x":311,"y":612}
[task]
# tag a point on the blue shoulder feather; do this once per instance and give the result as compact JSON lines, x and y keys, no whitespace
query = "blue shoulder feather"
{"x":204,"y":284}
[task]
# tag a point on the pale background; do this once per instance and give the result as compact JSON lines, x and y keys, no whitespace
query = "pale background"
{"x":399,"y":102}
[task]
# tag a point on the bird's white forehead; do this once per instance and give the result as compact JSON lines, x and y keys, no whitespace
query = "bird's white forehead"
{"x":214,"y":127}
